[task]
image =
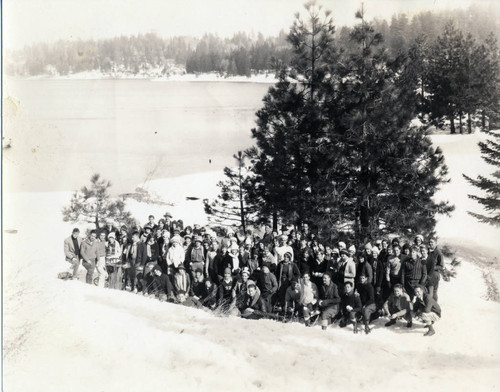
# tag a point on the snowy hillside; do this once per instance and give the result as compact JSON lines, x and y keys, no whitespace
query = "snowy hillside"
{"x":67,"y":336}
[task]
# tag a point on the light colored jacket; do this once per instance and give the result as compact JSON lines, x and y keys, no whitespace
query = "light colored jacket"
{"x":69,"y":248}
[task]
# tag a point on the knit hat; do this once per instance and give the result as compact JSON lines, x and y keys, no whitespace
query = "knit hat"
{"x":76,"y":230}
{"x":181,"y":266}
{"x":352,"y":249}
{"x":112,"y":234}
{"x":289,"y":255}
{"x":375,"y":250}
{"x":419,"y":236}
{"x":198,"y":239}
{"x":342,"y":245}
{"x":336,"y":251}
{"x":176,"y":239}
{"x":234,"y":246}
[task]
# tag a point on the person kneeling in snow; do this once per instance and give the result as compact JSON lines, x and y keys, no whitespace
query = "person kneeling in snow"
{"x":427,"y":309}
{"x":398,"y":305}
{"x":254,"y":307}
{"x":329,"y":300}
{"x":350,"y":306}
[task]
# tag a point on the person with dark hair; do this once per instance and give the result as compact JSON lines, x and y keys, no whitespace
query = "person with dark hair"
{"x":225,"y":291}
{"x":350,"y":306}
{"x":135,"y":257}
{"x":318,"y":268}
{"x":398,"y":305}
{"x":364,"y":268}
{"x":88,"y":251}
{"x":427,"y":309}
{"x":210,"y":300}
{"x":367,"y":297}
{"x":292,"y":297}
{"x":414,"y":272}
{"x":72,"y":246}
{"x":159,"y":285}
{"x":181,"y":281}
{"x":285,"y":272}
{"x":254,"y":307}
{"x":328,"y":300}
{"x":198,"y":289}
{"x":151,"y":225}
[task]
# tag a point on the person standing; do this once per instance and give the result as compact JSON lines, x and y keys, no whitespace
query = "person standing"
{"x":113,"y":261}
{"x":72,"y":246}
{"x":88,"y":251}
{"x":414,"y":272}
{"x":436,"y":266}
{"x":101,"y":259}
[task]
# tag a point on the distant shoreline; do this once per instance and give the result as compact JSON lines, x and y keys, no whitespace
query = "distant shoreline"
{"x":201,"y":77}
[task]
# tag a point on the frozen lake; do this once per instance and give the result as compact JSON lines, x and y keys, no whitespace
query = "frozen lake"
{"x":127,"y":130}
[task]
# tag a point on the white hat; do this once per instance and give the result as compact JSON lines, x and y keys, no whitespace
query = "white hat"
{"x":352,"y":249}
{"x":342,"y":245}
{"x":112,"y":234}
{"x":176,"y":239}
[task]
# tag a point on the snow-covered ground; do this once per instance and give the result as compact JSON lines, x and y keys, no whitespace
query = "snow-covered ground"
{"x":67,"y":336}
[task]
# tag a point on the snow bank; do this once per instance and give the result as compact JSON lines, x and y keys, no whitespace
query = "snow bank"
{"x":61,"y":336}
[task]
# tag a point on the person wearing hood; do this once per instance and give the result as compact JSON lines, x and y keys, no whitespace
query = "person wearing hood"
{"x":88,"y":252}
{"x":414,"y":273}
{"x":329,"y":300}
{"x":254,"y":307}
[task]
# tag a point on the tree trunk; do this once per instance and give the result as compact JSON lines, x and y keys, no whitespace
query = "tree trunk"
{"x":452,"y":124}
{"x":97,"y":222}
{"x":364,"y":218}
{"x":483,"y":120}
{"x":469,"y":123}
{"x":275,"y":221}
{"x":460,"y":123}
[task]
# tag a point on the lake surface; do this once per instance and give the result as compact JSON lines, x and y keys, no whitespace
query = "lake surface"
{"x":127,"y":130}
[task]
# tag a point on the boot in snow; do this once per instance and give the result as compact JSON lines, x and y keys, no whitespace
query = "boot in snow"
{"x":390,"y":322}
{"x":430,"y":332}
{"x":367,"y":329}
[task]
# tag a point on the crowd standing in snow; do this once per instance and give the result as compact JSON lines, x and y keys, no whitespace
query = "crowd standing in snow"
{"x":288,"y":275}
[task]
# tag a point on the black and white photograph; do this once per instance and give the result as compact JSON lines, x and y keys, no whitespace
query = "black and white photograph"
{"x":250,"y":195}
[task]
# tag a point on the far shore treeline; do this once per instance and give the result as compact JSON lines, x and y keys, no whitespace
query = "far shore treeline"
{"x":242,"y":54}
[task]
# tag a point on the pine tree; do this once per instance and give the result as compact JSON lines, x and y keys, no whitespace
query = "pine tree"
{"x":490,"y":151}
{"x":384,"y":171}
{"x":94,"y":205}
{"x":291,"y":124}
{"x":232,"y":204}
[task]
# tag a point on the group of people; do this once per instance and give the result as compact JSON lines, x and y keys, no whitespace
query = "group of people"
{"x":291,"y":273}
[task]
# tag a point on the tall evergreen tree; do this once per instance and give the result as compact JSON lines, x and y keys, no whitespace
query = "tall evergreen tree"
{"x":490,"y":201}
{"x":384,"y":172}
{"x":291,"y":124}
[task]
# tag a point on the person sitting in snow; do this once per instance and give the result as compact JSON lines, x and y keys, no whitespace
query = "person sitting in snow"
{"x":398,"y":305}
{"x":426,"y":308}
{"x":182,"y":281}
{"x":210,"y":300}
{"x":292,"y":298}
{"x":159,"y":285}
{"x":254,"y":307}
{"x":329,"y":300}
{"x":225,"y":291}
{"x":350,"y":306}
{"x":239,"y":291}
{"x":198,"y":289}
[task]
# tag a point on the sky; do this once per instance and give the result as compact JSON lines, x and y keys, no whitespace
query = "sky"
{"x":30,"y":21}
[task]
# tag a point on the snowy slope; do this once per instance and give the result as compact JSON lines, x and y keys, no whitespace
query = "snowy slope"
{"x":61,"y":336}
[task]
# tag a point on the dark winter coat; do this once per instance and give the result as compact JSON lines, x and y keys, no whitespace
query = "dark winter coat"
{"x":414,"y":272}
{"x":435,"y":265}
{"x":426,"y":305}
{"x":366,"y":269}
{"x":329,"y":295}
{"x":351,"y":299}
{"x":267,"y":284}
{"x":366,"y":293}
{"x":198,"y":289}
{"x":285,"y":272}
